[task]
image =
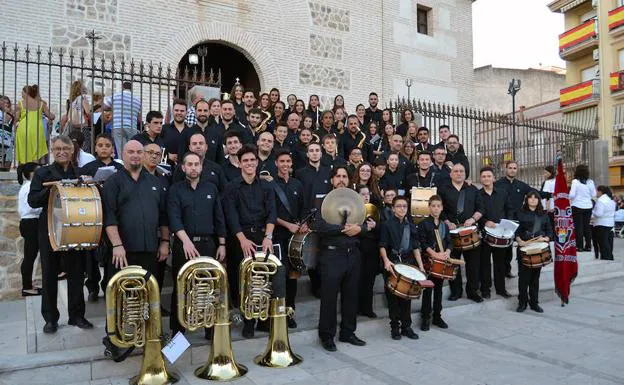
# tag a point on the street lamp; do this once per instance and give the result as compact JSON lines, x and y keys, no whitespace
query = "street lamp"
{"x":408,"y":84}
{"x":203,"y":51}
{"x":193,"y":59}
{"x":514,"y":87}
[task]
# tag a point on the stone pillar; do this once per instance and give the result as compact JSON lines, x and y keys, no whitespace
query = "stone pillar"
{"x":11,"y":243}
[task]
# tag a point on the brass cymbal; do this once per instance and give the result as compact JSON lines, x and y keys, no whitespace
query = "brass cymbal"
{"x":372,"y":211}
{"x":343,"y":205}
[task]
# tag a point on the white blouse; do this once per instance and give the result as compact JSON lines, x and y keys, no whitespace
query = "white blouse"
{"x":581,"y":194}
{"x":604,"y":212}
{"x":24,"y":209}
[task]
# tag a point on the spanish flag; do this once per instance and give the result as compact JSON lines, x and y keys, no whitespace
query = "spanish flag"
{"x":577,"y":35}
{"x":576,"y":93}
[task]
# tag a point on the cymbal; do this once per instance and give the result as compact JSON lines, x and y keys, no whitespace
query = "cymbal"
{"x":343,"y":205}
{"x":372,"y":211}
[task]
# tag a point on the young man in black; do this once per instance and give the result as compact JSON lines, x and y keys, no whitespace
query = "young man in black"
{"x":213,"y":137}
{"x":153,"y":130}
{"x":172,"y":133}
{"x":454,"y":156}
{"x":399,"y":244}
{"x":423,"y":141}
{"x":372,"y":113}
{"x":369,"y":252}
{"x":210,"y":172}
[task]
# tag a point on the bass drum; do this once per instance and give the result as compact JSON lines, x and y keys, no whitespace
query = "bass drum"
{"x":302,"y":252}
{"x":74,"y":217}
{"x":419,"y":205}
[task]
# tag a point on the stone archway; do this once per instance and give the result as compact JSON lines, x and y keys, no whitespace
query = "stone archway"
{"x":228,"y":35}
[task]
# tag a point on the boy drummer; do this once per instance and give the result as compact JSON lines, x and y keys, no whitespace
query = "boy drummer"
{"x":429,"y":243}
{"x":398,"y":244}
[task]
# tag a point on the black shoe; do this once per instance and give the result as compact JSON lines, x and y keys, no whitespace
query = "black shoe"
{"x":113,"y":352}
{"x":329,"y":345}
{"x":248,"y":330}
{"x":504,"y":294}
{"x":510,"y":275}
{"x":50,"y":327}
{"x":424,"y":324}
{"x":409,"y":333}
{"x":439,"y":322}
{"x":208,"y":334}
{"x":486,"y":295}
{"x":537,"y":308}
{"x":454,"y":297}
{"x":369,"y":314}
{"x":353,"y":340}
{"x":31,"y":292}
{"x":263,"y":326}
{"x":475,"y":297}
{"x":521,"y":307}
{"x":82,"y":323}
{"x":93,"y":296}
{"x":292,"y":324}
{"x":395,"y":333}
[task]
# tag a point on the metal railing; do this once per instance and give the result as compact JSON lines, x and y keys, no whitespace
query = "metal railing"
{"x":487,"y":138}
{"x":54,"y":70}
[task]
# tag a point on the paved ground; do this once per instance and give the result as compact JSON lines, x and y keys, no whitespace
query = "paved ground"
{"x":582,"y":343}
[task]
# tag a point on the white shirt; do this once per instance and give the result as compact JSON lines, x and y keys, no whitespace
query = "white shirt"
{"x":549,"y":187}
{"x":25,"y":211}
{"x":619,"y":215}
{"x":581,"y":194}
{"x":604,"y":212}
{"x":84,"y":158}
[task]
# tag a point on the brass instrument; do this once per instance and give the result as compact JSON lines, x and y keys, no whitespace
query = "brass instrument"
{"x":203,"y":301}
{"x":133,"y":320}
{"x":225,"y":96}
{"x":361,"y":142}
{"x":342,"y":206}
{"x":255,"y":277}
{"x":372,"y":211}
{"x":263,"y":125}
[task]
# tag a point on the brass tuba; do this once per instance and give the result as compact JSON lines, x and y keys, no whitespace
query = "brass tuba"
{"x":255,"y":280}
{"x":133,"y":320}
{"x":203,"y":301}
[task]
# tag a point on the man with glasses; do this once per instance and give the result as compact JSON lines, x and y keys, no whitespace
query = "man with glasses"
{"x":61,"y":168}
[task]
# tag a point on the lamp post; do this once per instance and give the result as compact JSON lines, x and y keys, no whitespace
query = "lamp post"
{"x":514,"y":87}
{"x":203,"y":51}
{"x":408,"y":84}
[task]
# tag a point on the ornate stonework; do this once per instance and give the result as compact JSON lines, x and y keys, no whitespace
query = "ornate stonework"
{"x":326,"y":47}
{"x":329,"y":17}
{"x":100,"y":10}
{"x":72,"y":37}
{"x":321,"y":76}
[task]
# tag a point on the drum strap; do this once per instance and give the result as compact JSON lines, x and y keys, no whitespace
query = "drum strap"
{"x":282,"y":197}
{"x":405,"y":239}
{"x":537,"y":224}
{"x":461,"y":201}
{"x":439,"y":239}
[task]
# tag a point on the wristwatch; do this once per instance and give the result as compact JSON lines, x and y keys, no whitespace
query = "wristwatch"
{"x":269,"y":236}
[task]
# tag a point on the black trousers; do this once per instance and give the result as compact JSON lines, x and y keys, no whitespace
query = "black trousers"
{"x":340,"y":272}
{"x":472,"y":258}
{"x":508,"y":257}
{"x":497,"y":258}
{"x":425,"y":310}
{"x":399,"y":309}
{"x":369,"y":256}
{"x":73,"y":263}
{"x":206,"y":248}
{"x":604,"y":237}
{"x":582,"y":229}
{"x":29,"y":231}
{"x":528,"y":284}
{"x":282,"y":238}
{"x":92,"y":267}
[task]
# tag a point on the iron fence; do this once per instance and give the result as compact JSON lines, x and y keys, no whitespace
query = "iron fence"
{"x":54,"y":70}
{"x":487,"y":138}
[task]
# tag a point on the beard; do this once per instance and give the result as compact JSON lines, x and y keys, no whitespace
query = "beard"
{"x":135,"y":167}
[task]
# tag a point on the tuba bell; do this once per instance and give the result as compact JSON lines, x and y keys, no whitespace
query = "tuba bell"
{"x":255,"y":277}
{"x":133,"y":320}
{"x":203,"y":301}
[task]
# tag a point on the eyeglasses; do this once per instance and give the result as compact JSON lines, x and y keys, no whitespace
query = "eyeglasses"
{"x":153,"y":153}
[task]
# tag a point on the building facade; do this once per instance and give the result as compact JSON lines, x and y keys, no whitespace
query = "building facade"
{"x":304,"y":47}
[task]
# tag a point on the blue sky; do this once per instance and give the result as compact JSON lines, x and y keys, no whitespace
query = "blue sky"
{"x":516,"y":33}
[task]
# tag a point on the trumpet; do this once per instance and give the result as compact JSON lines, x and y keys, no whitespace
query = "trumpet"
{"x":133,"y":320}
{"x":203,"y":301}
{"x":255,"y":276}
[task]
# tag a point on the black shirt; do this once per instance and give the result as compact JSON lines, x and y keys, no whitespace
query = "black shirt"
{"x":137,"y":208}
{"x":332,"y":235}
{"x":267,"y":165}
{"x":230,"y":171}
{"x":450,"y":199}
{"x":293,"y":192}
{"x":394,"y":179}
{"x":401,"y":129}
{"x":372,"y":116}
{"x":528,"y":229}
{"x":442,"y":144}
{"x":145,"y":139}
{"x":427,"y":235}
{"x":316,"y":185}
{"x":516,"y":190}
{"x":211,"y":172}
{"x":197,"y":211}
{"x":346,"y":143}
{"x":459,"y":157}
{"x":392,"y":234}
{"x":214,"y":140}
{"x":416,"y":180}
{"x":494,"y":205}
{"x":173,"y":138}
{"x":443,"y":174}
{"x":38,"y":195}
{"x":249,"y":205}
{"x":244,"y":133}
{"x":421,"y":147}
{"x":328,"y":161}
{"x":92,"y":167}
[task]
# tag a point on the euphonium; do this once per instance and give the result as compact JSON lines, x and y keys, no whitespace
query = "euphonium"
{"x":203,"y":301}
{"x":133,"y":320}
{"x":255,"y":278}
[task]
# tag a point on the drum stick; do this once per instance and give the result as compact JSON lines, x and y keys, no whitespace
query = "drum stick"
{"x":456,"y":261}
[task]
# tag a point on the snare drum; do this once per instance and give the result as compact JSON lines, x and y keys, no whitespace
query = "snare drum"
{"x":407,"y":281}
{"x":465,"y":238}
{"x":536,"y":255}
{"x":302,"y":252}
{"x":498,"y":237}
{"x":74,"y":217}
{"x":442,"y":269}
{"x":419,"y":205}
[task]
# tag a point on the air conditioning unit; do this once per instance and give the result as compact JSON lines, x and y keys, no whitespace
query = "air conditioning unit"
{"x":596,"y":54}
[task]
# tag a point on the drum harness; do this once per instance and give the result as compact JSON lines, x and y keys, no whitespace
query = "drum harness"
{"x":405,"y":242}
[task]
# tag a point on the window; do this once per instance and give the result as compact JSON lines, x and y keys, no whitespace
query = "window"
{"x":422,"y":19}
{"x":588,"y":15}
{"x":621,"y":59}
{"x":589,"y":73}
{"x":619,"y":3}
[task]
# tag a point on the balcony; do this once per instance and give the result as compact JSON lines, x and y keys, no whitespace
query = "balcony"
{"x":579,"y":41}
{"x":616,"y":21}
{"x":616,"y":84}
{"x":564,"y":6}
{"x":580,"y":96}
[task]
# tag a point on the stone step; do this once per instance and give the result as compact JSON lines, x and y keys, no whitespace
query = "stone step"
{"x":7,"y":244}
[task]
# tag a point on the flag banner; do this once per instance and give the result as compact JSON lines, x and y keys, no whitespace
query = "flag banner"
{"x":566,"y":265}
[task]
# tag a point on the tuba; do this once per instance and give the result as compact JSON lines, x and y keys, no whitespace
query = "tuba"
{"x":255,"y":277}
{"x":203,"y":301}
{"x":133,"y":320}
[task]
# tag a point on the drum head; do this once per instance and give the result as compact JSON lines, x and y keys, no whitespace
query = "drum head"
{"x":409,"y":272}
{"x":464,"y":230}
{"x":311,"y":244}
{"x":535,"y":246}
{"x":499,"y":232}
{"x":58,"y":216}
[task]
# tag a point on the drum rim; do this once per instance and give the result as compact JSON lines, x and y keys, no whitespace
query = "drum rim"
{"x":414,"y":268}
{"x":458,"y":229}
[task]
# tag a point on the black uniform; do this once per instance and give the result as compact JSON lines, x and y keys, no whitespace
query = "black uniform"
{"x":372,"y":116}
{"x":173,"y":139}
{"x":199,"y":213}
{"x":417,"y":180}
{"x":369,"y":252}
{"x":339,"y":266}
{"x":145,"y":139}
{"x":494,"y":208}
{"x":421,"y":147}
{"x":346,"y":143}
{"x":399,"y":239}
{"x":428,"y":240}
{"x":442,"y":173}
{"x":214,"y":140}
{"x":532,"y":225}
{"x":72,"y":261}
{"x":211,"y":172}
{"x":328,"y":161}
{"x":394,"y":180}
{"x":460,"y":205}
{"x":267,"y":165}
{"x":459,"y":157}
{"x":231,"y":172}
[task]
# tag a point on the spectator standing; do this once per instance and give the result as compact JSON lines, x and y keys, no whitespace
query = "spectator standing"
{"x":30,"y":141}
{"x":126,"y":115}
{"x":582,"y":192}
{"x":29,"y":220}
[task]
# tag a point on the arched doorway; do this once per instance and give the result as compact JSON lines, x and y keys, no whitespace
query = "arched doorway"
{"x":217,"y":56}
